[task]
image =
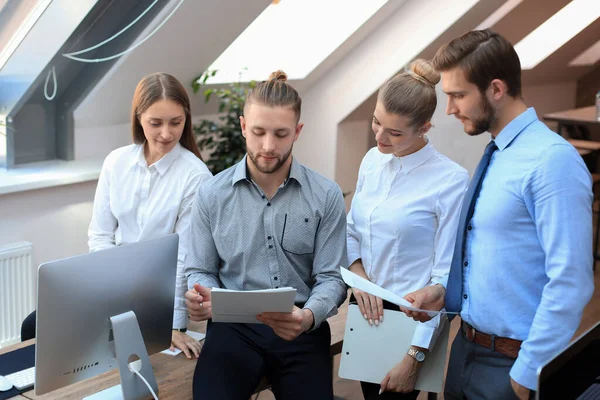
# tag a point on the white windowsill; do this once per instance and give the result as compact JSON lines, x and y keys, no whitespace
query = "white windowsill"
{"x":48,"y":174}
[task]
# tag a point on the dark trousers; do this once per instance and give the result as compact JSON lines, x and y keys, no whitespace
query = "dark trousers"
{"x":476,"y":372}
{"x":371,"y":390}
{"x":28,"y":327}
{"x":235,"y":357}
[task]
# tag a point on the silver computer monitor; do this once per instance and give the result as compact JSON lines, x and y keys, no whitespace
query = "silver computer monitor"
{"x":77,"y":297}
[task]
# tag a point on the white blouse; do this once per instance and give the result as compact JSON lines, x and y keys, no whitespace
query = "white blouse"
{"x":136,"y":202}
{"x":403,"y":222}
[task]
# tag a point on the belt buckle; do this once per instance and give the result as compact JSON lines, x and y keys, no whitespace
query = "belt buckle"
{"x":469,"y":332}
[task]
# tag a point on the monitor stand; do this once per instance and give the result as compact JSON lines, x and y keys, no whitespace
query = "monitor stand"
{"x":129,"y":342}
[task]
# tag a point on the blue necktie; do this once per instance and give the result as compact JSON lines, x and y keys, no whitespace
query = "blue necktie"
{"x":454,"y":288}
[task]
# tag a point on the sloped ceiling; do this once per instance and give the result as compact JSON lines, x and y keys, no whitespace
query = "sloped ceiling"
{"x":527,"y":16}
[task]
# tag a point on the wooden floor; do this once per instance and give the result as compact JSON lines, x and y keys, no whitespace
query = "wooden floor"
{"x":350,"y":390}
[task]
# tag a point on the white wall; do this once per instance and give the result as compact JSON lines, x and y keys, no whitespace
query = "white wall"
{"x":349,"y":83}
{"x":355,"y":138}
{"x":96,"y":142}
{"x":55,"y":220}
{"x":550,"y":97}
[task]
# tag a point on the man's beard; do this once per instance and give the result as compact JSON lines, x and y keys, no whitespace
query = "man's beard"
{"x":483,"y":123}
{"x":269,"y":170}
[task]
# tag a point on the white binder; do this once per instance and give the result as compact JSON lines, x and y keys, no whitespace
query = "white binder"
{"x":369,"y":352}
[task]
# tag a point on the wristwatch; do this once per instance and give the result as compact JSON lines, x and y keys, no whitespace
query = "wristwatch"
{"x":181,"y":330}
{"x":416,"y":354}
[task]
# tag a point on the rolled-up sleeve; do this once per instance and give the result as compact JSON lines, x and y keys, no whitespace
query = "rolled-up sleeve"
{"x":559,"y":196}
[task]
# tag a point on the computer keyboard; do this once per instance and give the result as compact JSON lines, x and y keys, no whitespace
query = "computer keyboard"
{"x":22,"y":379}
{"x":592,"y":393}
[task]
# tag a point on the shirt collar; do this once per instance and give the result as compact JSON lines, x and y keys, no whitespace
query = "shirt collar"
{"x":162,"y":165}
{"x":415,"y":159}
{"x":514,"y":127}
{"x":241,"y":172}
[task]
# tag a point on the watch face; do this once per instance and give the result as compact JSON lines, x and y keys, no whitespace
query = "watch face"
{"x":420,"y":356}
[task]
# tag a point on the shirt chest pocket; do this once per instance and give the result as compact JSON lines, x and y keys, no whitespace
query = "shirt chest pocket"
{"x":299,"y":233}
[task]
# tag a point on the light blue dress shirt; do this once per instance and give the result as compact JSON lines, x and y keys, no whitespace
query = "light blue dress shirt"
{"x":528,"y":257}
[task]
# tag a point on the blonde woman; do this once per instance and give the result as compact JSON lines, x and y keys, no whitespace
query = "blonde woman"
{"x":404,"y":215}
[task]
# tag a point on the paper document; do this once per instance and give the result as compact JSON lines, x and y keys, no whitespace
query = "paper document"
{"x":365,"y":285}
{"x":369,"y":352}
{"x":244,"y":305}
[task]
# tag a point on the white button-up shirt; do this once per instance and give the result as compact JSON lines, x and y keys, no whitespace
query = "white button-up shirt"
{"x":137,"y":202}
{"x":403,"y":222}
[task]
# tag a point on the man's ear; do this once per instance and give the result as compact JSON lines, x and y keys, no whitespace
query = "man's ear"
{"x":499,"y":89}
{"x":299,"y":127}
{"x":243,"y":125}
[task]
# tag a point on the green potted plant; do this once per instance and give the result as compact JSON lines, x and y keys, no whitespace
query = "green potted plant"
{"x":222,"y":139}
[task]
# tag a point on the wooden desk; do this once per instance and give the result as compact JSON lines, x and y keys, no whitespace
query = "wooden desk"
{"x":173,"y":374}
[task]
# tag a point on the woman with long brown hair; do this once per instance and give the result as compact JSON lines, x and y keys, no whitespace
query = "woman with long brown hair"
{"x":146,"y":189}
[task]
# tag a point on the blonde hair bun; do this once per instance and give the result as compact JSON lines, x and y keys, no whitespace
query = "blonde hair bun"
{"x":423,"y":69}
{"x":278,"y":75}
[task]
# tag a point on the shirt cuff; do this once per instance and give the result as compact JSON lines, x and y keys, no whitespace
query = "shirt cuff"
{"x":523,"y":374}
{"x":351,"y":258}
{"x":441,"y":280}
{"x":180,"y":319}
{"x":319,"y":311}
{"x":423,"y":336}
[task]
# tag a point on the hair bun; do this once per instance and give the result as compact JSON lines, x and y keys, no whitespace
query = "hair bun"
{"x":278,"y":75}
{"x":423,"y":69}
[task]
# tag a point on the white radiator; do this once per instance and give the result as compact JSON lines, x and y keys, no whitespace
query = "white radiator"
{"x":17,"y":290}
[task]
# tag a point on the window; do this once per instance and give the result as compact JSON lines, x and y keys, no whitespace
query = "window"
{"x":38,"y":113}
{"x":16,"y":19}
{"x":292,"y":35}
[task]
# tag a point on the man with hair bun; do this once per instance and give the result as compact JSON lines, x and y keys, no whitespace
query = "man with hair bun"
{"x":268,"y":222}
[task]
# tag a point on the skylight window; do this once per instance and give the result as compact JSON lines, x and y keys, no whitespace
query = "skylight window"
{"x":556,"y":31}
{"x":16,"y":19}
{"x":588,"y":57}
{"x":294,"y":36}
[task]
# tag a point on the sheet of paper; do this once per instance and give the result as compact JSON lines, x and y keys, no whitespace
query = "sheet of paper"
{"x":365,"y":285}
{"x":242,"y":306}
{"x":196,"y":335}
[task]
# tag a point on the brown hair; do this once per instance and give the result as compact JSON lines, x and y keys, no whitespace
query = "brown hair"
{"x":275,"y":92}
{"x":411,"y":93}
{"x":161,"y":86}
{"x":483,"y":56}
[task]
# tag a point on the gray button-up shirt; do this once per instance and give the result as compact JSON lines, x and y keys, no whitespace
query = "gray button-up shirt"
{"x":243,"y":241}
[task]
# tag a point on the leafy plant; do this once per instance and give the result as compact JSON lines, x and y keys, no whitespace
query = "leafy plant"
{"x":223,"y":138}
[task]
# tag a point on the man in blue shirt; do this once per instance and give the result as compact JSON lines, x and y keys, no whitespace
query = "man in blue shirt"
{"x":522,"y":267}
